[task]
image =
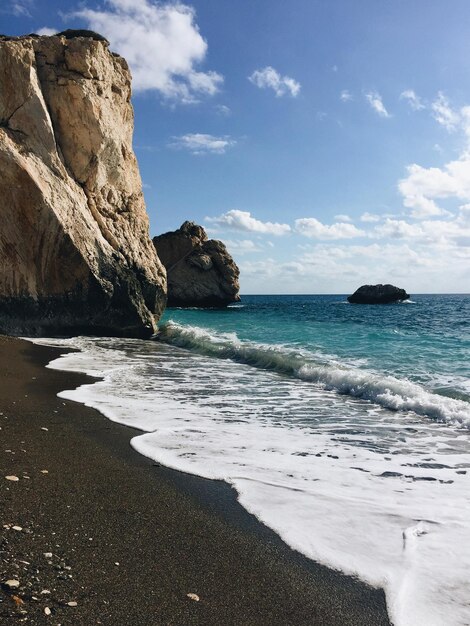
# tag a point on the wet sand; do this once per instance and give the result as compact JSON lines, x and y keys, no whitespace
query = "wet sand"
{"x":126,"y":539}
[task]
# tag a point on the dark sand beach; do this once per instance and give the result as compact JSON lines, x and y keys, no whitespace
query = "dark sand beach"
{"x":103,"y":527}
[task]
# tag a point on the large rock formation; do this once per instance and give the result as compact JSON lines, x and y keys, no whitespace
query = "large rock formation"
{"x":378,"y":294}
{"x":200,"y":270}
{"x":75,"y":253}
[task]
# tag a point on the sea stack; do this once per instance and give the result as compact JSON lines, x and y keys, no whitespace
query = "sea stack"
{"x":201,"y":273}
{"x":378,"y":294}
{"x":75,"y":251}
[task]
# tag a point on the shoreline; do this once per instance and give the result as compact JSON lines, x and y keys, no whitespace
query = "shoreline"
{"x":171,"y":533}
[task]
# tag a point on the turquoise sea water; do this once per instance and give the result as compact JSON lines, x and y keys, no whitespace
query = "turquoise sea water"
{"x":345,"y":428}
{"x":425,"y":340}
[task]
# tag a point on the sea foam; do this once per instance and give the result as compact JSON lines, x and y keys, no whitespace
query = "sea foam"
{"x":387,"y":391}
{"x":379,"y":494}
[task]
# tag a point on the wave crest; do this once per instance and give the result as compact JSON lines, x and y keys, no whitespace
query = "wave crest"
{"x":387,"y":391}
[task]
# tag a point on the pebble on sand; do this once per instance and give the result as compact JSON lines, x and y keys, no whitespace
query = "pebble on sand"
{"x":12,"y":583}
{"x":13,"y":478}
{"x":193,"y":596}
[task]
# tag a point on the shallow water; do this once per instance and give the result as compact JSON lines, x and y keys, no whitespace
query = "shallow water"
{"x":345,"y":428}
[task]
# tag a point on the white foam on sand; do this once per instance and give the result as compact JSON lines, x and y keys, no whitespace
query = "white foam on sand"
{"x":381,"y":495}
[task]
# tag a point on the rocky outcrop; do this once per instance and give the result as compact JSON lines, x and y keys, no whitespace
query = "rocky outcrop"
{"x":75,"y":253}
{"x":200,"y":270}
{"x":378,"y":294}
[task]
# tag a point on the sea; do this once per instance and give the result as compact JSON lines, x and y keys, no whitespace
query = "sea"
{"x":345,"y":428}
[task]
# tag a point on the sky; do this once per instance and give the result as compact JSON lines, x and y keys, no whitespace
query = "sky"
{"x":326,"y":142}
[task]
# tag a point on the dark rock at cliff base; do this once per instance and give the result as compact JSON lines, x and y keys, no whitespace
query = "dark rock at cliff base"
{"x":70,"y":33}
{"x":75,"y":251}
{"x":378,"y":294}
{"x":200,"y":271}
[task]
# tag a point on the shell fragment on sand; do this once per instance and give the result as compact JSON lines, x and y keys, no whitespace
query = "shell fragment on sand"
{"x":193,"y":596}
{"x":12,"y":583}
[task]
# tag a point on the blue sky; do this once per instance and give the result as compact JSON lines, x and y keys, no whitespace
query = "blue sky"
{"x":326,"y":142}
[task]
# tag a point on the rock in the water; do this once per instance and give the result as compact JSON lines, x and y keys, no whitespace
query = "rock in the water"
{"x":75,"y":252}
{"x":378,"y":294}
{"x":200,"y":270}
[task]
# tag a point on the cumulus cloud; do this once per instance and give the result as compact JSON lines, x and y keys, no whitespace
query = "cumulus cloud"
{"x":47,"y":31}
{"x":243,"y":221}
{"x":242,"y":246}
{"x":424,"y":185}
{"x":311,"y":227}
{"x":427,"y":256}
{"x":444,"y":113}
{"x":162,"y":43}
{"x":413,"y":100}
{"x":200,"y":143}
{"x":343,"y":218}
{"x":375,"y":101}
{"x":345,"y":96}
{"x":269,"y":78}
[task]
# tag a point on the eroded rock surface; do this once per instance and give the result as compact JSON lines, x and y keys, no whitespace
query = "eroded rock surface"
{"x":200,"y":270}
{"x":378,"y":294}
{"x":75,"y":252}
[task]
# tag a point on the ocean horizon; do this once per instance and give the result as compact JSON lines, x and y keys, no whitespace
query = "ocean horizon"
{"x":344,"y":428}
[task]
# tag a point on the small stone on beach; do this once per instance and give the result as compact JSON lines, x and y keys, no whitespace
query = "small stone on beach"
{"x":12,"y":583}
{"x":48,"y":555}
{"x":73,"y":603}
{"x":47,"y":611}
{"x":193,"y":596}
{"x":18,"y":528}
{"x":12,"y":478}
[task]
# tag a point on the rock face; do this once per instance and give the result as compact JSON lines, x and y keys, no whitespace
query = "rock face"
{"x":75,"y":253}
{"x":378,"y":294}
{"x":200,"y":270}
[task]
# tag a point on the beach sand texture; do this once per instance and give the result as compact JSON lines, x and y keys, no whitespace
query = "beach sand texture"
{"x":126,"y":540}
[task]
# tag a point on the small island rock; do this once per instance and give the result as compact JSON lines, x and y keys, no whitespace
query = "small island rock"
{"x":200,"y":271}
{"x":378,"y":294}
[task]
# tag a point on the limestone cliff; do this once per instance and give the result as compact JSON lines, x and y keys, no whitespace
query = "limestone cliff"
{"x":200,"y":270}
{"x":75,"y":253}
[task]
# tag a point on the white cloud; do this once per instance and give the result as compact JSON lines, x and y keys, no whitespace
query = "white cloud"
{"x":200,"y":143}
{"x":398,"y":229}
{"x":443,"y":112}
{"x":429,"y":256}
{"x":343,"y":218}
{"x":423,"y":186}
{"x":243,"y":221}
{"x":311,"y":227}
{"x":242,"y":246}
{"x":269,"y":78}
{"x":47,"y":31}
{"x":345,"y":96}
{"x":162,"y":44}
{"x":370,"y":217}
{"x":375,"y":101}
{"x":413,"y":100}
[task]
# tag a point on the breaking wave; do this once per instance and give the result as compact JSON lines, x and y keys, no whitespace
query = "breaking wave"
{"x":387,"y":391}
